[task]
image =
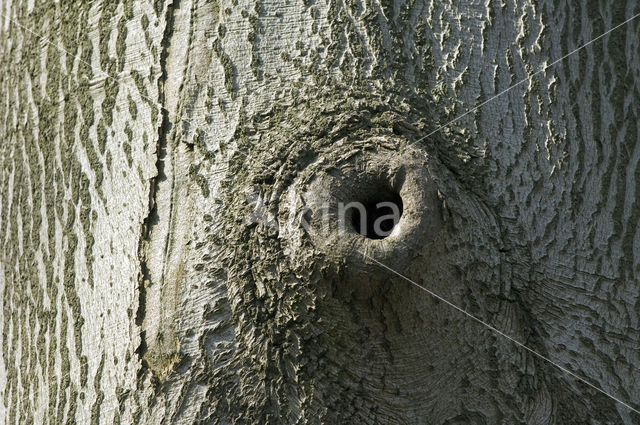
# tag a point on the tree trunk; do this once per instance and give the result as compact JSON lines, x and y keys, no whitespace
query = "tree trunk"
{"x":171,"y":178}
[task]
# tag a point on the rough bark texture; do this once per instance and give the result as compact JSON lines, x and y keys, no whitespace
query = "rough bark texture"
{"x":155,"y":174}
{"x":79,"y":124}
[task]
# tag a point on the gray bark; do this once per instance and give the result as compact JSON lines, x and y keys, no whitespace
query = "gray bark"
{"x":157,"y":160}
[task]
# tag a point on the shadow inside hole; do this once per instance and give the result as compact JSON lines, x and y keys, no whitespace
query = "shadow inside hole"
{"x":375,"y":217}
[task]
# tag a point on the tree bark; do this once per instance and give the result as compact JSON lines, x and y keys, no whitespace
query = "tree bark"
{"x":170,"y":174}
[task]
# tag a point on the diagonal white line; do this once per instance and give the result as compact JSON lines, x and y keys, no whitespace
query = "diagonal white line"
{"x":97,"y":70}
{"x":107,"y":75}
{"x":475,"y":108}
{"x":499,"y":332}
{"x":524,"y":80}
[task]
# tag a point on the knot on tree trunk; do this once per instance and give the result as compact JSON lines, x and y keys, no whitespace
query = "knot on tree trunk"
{"x":381,"y":200}
{"x":303,"y":243}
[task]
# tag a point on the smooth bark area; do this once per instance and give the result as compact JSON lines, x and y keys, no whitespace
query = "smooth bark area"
{"x":160,"y":160}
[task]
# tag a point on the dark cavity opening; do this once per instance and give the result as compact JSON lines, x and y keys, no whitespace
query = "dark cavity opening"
{"x":376,"y":216}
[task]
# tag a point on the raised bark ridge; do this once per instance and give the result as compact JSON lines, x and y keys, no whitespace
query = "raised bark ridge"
{"x":79,"y":124}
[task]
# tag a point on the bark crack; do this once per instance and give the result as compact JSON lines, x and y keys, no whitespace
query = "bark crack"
{"x":153,"y":218}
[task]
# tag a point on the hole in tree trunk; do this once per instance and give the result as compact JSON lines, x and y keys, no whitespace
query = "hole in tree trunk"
{"x":375,"y":216}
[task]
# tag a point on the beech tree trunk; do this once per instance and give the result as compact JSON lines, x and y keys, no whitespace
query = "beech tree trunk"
{"x":169,"y":178}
